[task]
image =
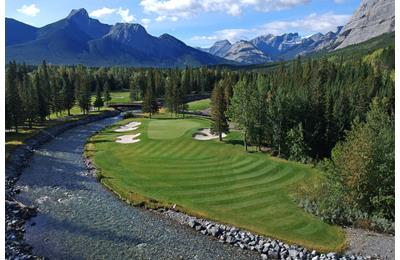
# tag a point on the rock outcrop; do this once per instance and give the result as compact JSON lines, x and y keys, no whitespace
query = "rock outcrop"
{"x":246,"y":53}
{"x":371,"y":19}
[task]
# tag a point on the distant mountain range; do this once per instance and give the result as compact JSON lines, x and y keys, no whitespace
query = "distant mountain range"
{"x":79,"y":39}
{"x":371,"y":19}
{"x":272,"y":48}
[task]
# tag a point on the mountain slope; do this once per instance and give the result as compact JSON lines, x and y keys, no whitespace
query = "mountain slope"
{"x":371,"y":19}
{"x":17,"y":32}
{"x":246,"y":53}
{"x":79,"y":39}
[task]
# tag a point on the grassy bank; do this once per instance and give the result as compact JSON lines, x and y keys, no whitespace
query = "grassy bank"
{"x":211,"y":179}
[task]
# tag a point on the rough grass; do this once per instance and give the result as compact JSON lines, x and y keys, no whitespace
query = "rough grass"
{"x":211,"y":179}
{"x":199,"y":105}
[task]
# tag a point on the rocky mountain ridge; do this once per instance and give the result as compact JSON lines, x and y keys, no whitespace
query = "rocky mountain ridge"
{"x":79,"y":39}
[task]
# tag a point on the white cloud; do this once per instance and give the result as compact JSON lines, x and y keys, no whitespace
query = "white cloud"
{"x":146,"y":22}
{"x":188,"y":8}
{"x":310,"y":24}
{"x":126,"y":17}
{"x":30,"y":10}
{"x":162,"y":18}
{"x":102,"y":12}
{"x":123,"y":13}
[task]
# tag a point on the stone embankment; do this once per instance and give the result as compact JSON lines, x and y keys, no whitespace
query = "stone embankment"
{"x":16,"y":212}
{"x":267,"y":247}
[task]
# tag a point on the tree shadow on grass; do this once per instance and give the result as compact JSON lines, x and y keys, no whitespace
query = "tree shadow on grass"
{"x":234,"y":142}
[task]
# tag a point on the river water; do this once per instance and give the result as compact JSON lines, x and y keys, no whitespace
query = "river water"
{"x":79,"y":219}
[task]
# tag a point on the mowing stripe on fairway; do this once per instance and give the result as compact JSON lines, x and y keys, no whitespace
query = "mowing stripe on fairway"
{"x":213,"y":179}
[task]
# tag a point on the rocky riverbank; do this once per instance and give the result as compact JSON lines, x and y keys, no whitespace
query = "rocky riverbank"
{"x":16,"y":212}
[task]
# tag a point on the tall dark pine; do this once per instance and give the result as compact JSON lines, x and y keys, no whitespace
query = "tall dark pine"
{"x":219,"y":122}
{"x":98,"y":102}
{"x":106,"y":93}
{"x":13,"y":99}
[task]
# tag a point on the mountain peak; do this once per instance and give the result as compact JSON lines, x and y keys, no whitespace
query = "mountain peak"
{"x":129,"y":27}
{"x":222,"y":42}
{"x":78,"y":13}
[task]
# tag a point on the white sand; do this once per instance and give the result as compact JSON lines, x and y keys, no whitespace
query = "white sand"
{"x":129,"y":127}
{"x":205,"y":135}
{"x":127,"y":139}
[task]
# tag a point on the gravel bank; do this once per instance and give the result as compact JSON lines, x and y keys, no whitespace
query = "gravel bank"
{"x":365,"y":242}
{"x":18,"y":213}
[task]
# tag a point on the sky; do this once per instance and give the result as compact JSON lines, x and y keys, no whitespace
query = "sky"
{"x":198,"y":22}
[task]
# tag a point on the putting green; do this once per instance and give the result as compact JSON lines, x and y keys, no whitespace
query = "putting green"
{"x":212,"y":179}
{"x":170,"y":129}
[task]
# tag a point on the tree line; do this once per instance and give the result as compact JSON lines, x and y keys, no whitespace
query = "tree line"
{"x":35,"y":93}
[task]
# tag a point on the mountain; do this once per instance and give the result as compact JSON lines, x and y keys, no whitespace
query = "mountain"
{"x":245,"y":52}
{"x":17,"y":32}
{"x":371,"y":19}
{"x":289,"y":45}
{"x":219,"y":48}
{"x":79,"y":39}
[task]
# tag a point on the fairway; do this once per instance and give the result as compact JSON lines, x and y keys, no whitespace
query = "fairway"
{"x":212,"y":179}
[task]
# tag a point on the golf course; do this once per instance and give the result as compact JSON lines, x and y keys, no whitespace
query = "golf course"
{"x":208,"y":178}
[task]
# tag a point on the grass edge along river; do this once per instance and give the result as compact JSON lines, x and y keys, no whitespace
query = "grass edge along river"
{"x":210,"y":179}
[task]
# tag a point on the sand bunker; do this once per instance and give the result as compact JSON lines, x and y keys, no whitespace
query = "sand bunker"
{"x":205,"y":134}
{"x":127,"y":139}
{"x":129,"y":127}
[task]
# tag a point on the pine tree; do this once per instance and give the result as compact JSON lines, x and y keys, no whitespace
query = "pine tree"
{"x":67,"y":92}
{"x":150,"y":104}
{"x":29,"y":100}
{"x":106,"y":93}
{"x":219,"y":122}
{"x":82,"y":91}
{"x":98,"y":102}
{"x":241,"y":109}
{"x":13,"y":99}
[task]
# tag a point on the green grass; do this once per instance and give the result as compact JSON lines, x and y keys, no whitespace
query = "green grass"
{"x":211,"y":179}
{"x":199,"y":105}
{"x":170,"y":129}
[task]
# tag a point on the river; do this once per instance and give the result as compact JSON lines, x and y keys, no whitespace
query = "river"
{"x":79,"y":219}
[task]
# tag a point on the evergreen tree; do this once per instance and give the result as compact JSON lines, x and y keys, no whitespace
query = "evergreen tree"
{"x":67,"y":92}
{"x":82,"y":91}
{"x":13,"y":99}
{"x":106,"y":93}
{"x":241,"y":109}
{"x":29,"y":100}
{"x":219,"y":122}
{"x":98,"y":102}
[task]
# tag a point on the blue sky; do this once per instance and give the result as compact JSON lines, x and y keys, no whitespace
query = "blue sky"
{"x":198,"y":22}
